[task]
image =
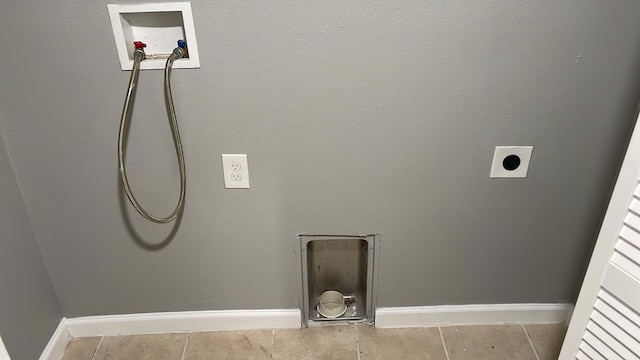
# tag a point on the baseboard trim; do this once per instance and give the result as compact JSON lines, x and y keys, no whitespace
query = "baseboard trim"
{"x":425,"y":316}
{"x":58,"y":342}
{"x":187,"y":321}
{"x":225,"y":320}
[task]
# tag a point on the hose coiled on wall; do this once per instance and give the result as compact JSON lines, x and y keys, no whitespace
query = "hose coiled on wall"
{"x":173,"y":122}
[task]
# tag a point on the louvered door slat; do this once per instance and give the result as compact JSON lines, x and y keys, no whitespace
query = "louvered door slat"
{"x":625,"y":287}
{"x":636,"y":192}
{"x":626,"y":264}
{"x":632,"y":236}
{"x":629,"y":250}
{"x":614,"y":344}
{"x":582,"y":356}
{"x":590,"y":351}
{"x":600,"y":346}
{"x":626,"y":313}
{"x":617,"y":325}
{"x":635,"y":205}
{"x":632,"y":220}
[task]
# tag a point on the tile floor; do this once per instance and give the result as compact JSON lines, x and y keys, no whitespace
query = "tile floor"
{"x":349,"y":342}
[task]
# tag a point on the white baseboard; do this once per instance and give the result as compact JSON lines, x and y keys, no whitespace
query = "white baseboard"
{"x":225,"y":320}
{"x":425,"y":316}
{"x":58,"y":342}
{"x":187,"y":321}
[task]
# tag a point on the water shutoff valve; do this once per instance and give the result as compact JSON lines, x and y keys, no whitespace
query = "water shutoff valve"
{"x":139,"y":44}
{"x":183,"y":44}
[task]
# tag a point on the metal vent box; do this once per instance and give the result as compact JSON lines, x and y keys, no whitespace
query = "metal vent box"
{"x":344,"y":263}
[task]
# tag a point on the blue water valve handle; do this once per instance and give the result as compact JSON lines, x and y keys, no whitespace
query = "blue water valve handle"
{"x":183,"y":45}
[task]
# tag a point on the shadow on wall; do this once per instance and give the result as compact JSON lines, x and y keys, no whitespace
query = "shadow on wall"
{"x":135,"y":235}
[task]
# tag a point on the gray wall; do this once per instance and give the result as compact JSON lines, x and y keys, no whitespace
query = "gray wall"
{"x":29,"y":309}
{"x":357,"y":116}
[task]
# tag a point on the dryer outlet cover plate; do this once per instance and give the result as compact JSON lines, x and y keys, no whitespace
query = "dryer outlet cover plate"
{"x":511,"y":161}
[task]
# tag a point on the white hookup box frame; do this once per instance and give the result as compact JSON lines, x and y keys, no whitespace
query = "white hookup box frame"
{"x":159,"y":26}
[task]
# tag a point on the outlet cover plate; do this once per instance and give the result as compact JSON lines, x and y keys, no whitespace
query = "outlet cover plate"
{"x":235,"y":169}
{"x":511,"y":161}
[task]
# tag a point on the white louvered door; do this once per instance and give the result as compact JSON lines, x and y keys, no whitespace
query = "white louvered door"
{"x":606,"y":320}
{"x":4,"y":355}
{"x":613,"y":330}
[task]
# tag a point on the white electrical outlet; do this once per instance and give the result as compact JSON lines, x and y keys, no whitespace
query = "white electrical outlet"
{"x":236,"y":171}
{"x":511,"y":161}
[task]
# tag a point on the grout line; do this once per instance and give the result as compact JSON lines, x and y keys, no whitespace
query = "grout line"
{"x":273,"y":335}
{"x":530,"y":342}
{"x":184,"y":349}
{"x":446,"y":352}
{"x":357,"y":340}
{"x":97,"y":348}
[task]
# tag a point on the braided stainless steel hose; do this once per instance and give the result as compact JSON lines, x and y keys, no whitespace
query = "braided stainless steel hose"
{"x":173,"y":122}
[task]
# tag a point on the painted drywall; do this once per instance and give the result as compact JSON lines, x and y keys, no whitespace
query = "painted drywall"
{"x":357,"y":117}
{"x":29,"y":308}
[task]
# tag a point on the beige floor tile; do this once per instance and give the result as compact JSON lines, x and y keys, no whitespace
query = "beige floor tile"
{"x":496,"y":342}
{"x":317,"y":343}
{"x":230,"y":345}
{"x":142,"y":347}
{"x":81,"y":348}
{"x":547,"y":339}
{"x":406,"y":344}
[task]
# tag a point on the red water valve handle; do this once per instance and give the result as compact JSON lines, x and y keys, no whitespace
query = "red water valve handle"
{"x":139,"y":44}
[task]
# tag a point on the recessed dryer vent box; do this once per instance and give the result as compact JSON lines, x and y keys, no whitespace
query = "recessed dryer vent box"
{"x":342,"y":263}
{"x":159,"y":26}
